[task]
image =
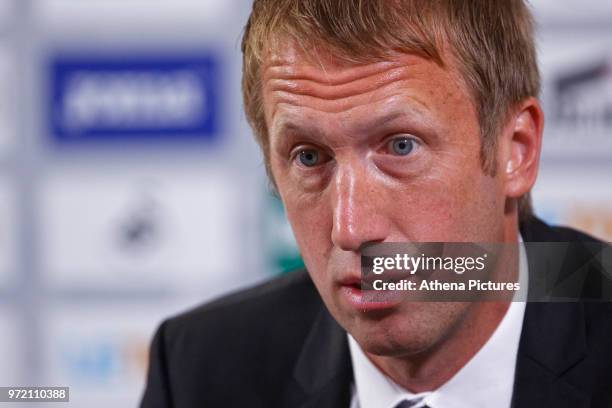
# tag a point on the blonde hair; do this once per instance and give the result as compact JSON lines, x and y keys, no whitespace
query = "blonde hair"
{"x":491,"y":42}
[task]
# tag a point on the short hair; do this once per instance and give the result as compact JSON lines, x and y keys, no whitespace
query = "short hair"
{"x":490,"y":41}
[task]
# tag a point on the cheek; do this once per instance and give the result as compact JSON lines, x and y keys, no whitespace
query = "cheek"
{"x":310,"y":217}
{"x":311,"y":222}
{"x":453,"y":203}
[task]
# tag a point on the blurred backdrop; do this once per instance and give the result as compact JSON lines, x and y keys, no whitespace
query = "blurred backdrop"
{"x":131,"y":188}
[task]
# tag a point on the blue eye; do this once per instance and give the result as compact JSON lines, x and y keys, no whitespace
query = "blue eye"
{"x":309,"y":157}
{"x":401,"y":146}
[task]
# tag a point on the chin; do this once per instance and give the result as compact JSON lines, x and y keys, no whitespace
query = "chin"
{"x":388,"y":344}
{"x":406,"y":332}
{"x":395,"y":335}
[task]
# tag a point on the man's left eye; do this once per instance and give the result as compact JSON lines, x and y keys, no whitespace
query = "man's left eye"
{"x":401,"y":146}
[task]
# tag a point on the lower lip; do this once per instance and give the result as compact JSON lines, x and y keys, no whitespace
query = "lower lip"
{"x":375,"y":301}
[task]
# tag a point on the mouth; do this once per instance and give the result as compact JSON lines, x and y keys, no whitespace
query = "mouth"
{"x":361,"y":295}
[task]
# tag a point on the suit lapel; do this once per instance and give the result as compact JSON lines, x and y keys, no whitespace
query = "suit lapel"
{"x":323,"y":370}
{"x":553,"y":339}
{"x":553,"y":342}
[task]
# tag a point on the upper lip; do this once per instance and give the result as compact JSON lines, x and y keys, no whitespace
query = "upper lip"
{"x":368,"y":280}
{"x":351,"y":280}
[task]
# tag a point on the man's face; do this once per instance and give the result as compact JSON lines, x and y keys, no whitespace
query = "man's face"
{"x":380,"y":152}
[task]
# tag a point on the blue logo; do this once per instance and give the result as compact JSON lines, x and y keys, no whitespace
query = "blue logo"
{"x":101,"y":98}
{"x":92,"y":362}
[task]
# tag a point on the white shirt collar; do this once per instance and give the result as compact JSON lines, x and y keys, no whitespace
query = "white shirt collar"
{"x":488,"y":378}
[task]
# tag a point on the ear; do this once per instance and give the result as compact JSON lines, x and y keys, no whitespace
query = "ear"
{"x":520,"y":146}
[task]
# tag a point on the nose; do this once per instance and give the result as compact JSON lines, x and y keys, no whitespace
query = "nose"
{"x":358,"y":209}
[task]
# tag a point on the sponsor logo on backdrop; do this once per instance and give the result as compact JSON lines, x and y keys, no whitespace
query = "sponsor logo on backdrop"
{"x":584,"y":96}
{"x":101,"y":349}
{"x":104,"y":360}
{"x":594,"y":219}
{"x":156,"y":230}
{"x":579,"y":108}
{"x":139,"y":225}
{"x":134,"y":97}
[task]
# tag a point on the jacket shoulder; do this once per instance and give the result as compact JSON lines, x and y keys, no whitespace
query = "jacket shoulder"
{"x":253,"y":336}
{"x":536,"y":230}
{"x":279,"y":301}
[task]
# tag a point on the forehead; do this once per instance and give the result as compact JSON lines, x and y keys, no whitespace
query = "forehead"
{"x":299,"y":84}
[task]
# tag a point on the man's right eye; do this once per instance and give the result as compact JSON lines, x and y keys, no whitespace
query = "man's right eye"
{"x":311,"y":157}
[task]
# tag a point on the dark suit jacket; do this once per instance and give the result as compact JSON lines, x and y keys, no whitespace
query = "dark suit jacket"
{"x":276,"y":345}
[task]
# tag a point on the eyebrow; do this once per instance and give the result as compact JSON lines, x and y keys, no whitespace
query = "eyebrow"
{"x":308,"y":129}
{"x":415,"y":114}
{"x":285,"y":129}
{"x":382,"y":120}
{"x":286,"y":125}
